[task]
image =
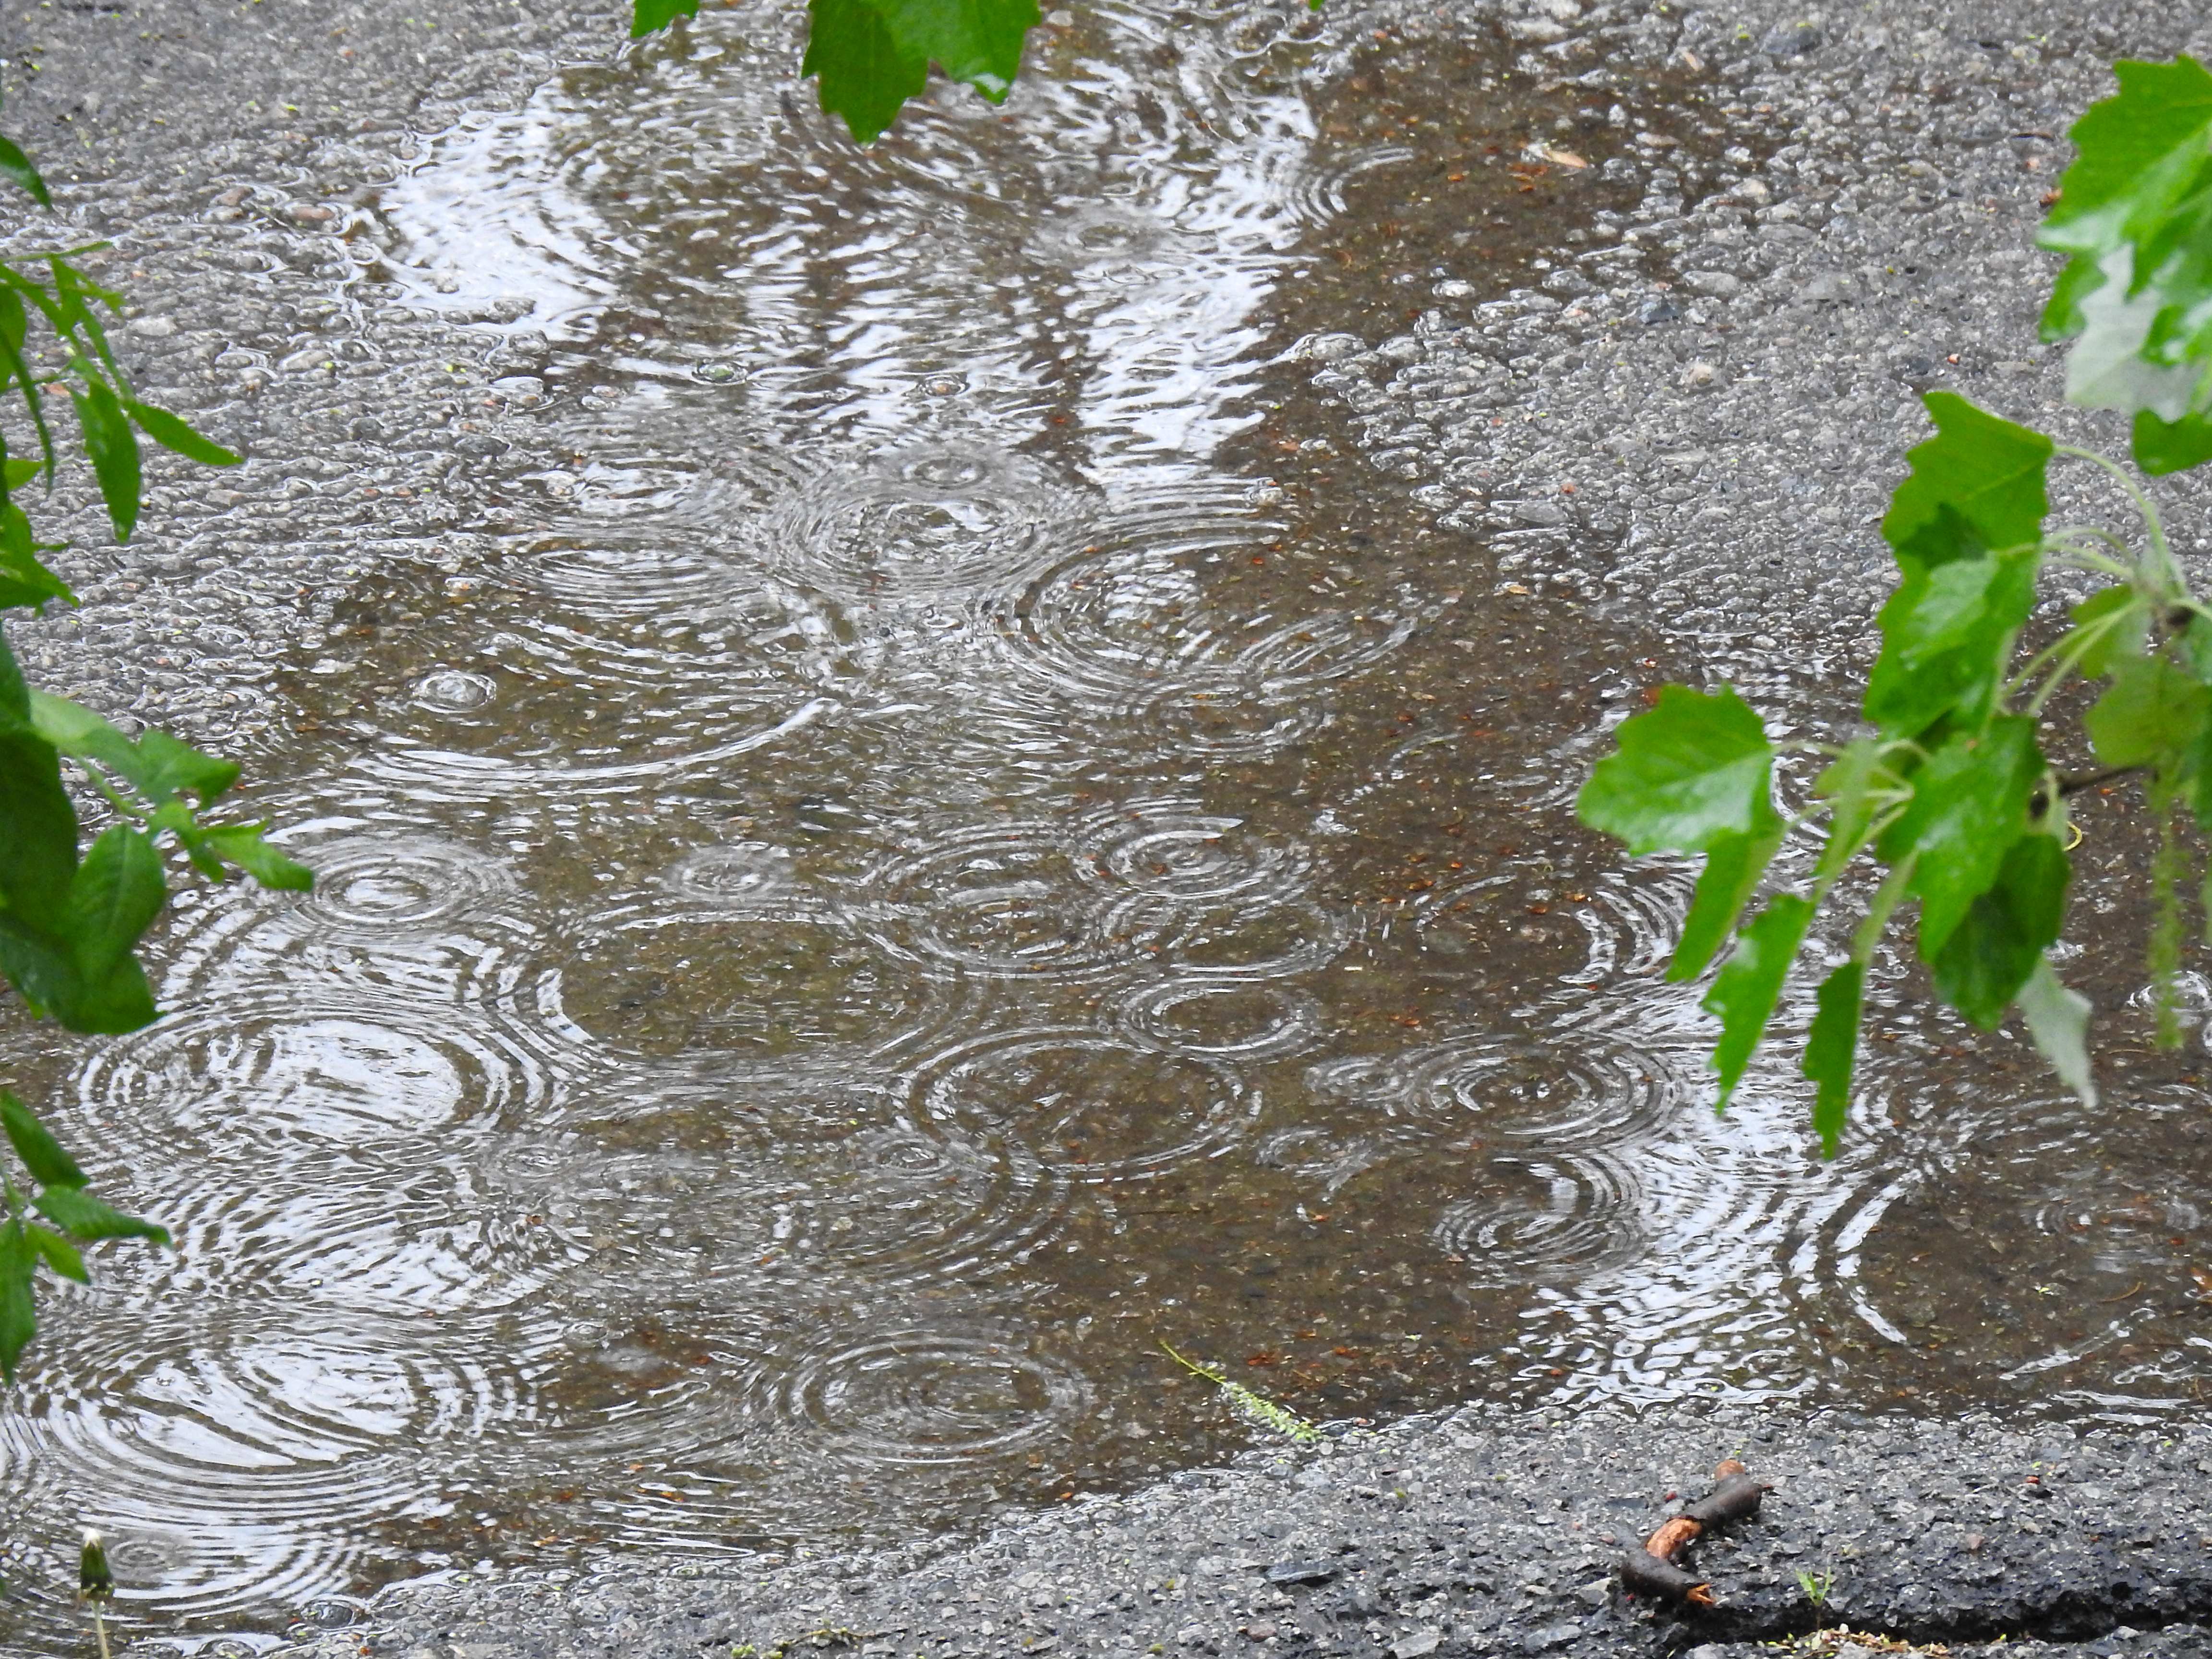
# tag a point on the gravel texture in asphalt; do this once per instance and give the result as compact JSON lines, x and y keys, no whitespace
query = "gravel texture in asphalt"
{"x":1732,"y":434}
{"x":1461,"y":1535}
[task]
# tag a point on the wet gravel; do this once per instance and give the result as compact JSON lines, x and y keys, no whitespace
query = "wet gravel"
{"x":1464,"y":1535}
{"x":1728,"y":383}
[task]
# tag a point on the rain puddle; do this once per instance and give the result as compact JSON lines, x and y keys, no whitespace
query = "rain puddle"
{"x":970,"y":832}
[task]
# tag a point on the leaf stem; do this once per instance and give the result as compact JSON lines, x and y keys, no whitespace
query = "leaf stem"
{"x":2153,"y":526}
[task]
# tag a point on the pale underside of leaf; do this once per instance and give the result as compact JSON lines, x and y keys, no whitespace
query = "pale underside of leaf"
{"x":2107,"y":368}
{"x":2058,"y":1020}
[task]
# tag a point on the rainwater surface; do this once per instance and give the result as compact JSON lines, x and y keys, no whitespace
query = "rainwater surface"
{"x":971,"y":832}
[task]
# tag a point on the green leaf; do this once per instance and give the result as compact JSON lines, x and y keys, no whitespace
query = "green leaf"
{"x":1988,"y":471}
{"x":16,"y":471}
{"x":157,"y":765}
{"x":171,"y":767}
{"x":18,"y":1314}
{"x":2119,"y":616}
{"x":1831,"y":1052}
{"x":2112,"y":365}
{"x":2152,"y":712}
{"x":85,"y":1217}
{"x":975,"y":42}
{"x":1750,"y":984}
{"x":647,"y":15}
{"x":1947,"y":638}
{"x":866,"y":76}
{"x":42,"y":1155}
{"x":119,"y":889}
{"x":2162,"y":447}
{"x":1969,"y":805}
{"x":60,"y":1255}
{"x":2142,"y":158}
{"x":873,"y":55}
{"x":38,"y":833}
{"x":1993,"y":948}
{"x":24,"y":578}
{"x":1696,"y":767}
{"x":2058,"y":1020}
{"x":122,"y":1001}
{"x":113,"y":447}
{"x":241,"y":844}
{"x":173,"y":433}
{"x":1733,"y":864}
{"x":16,"y":167}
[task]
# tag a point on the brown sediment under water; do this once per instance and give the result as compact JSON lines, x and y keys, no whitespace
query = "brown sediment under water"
{"x":976,"y":827}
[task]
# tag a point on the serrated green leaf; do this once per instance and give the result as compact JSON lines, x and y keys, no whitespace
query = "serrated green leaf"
{"x":241,"y":844}
{"x":1947,"y":639}
{"x":873,"y":55}
{"x":1733,"y":864}
{"x":977,"y":43}
{"x":1969,"y":805}
{"x":2162,"y":447}
{"x":865,"y":75}
{"x":60,"y":1255}
{"x":84,"y":1218}
{"x":118,"y":890}
{"x":43,"y":1156}
{"x":2058,"y":1020}
{"x":1697,"y":766}
{"x":1750,"y":983}
{"x":173,"y":433}
{"x":19,"y":1313}
{"x":1831,"y":1050}
{"x":2119,"y":616}
{"x":2152,"y":712}
{"x":16,"y":167}
{"x":113,"y":448}
{"x":647,"y":15}
{"x":1988,"y":471}
{"x":2141,"y":158}
{"x":1993,"y":948}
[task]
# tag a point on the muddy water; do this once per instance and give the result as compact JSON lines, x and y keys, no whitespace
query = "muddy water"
{"x":971,"y":833}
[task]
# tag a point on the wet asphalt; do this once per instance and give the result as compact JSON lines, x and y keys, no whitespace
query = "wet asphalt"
{"x":1730,"y":397}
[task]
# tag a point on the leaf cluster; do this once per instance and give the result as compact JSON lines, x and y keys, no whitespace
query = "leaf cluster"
{"x":73,"y":915}
{"x":871,"y":55}
{"x":1948,"y":791}
{"x":54,"y":1191}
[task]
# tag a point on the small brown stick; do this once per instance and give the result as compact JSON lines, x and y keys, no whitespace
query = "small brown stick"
{"x":1651,"y":1570}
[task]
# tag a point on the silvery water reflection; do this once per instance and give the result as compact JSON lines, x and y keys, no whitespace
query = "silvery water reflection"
{"x":963,"y":835}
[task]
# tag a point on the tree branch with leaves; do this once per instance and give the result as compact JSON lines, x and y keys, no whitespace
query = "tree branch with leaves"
{"x":73,"y":916}
{"x":1949,"y":793}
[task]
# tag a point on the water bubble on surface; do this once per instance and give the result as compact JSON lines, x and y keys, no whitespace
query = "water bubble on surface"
{"x":741,"y":876}
{"x":454,"y":691}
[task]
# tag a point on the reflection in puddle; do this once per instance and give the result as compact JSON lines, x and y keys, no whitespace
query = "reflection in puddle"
{"x":973,"y":827}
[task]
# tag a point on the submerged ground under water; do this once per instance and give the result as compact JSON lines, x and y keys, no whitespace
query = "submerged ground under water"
{"x":973,"y":832}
